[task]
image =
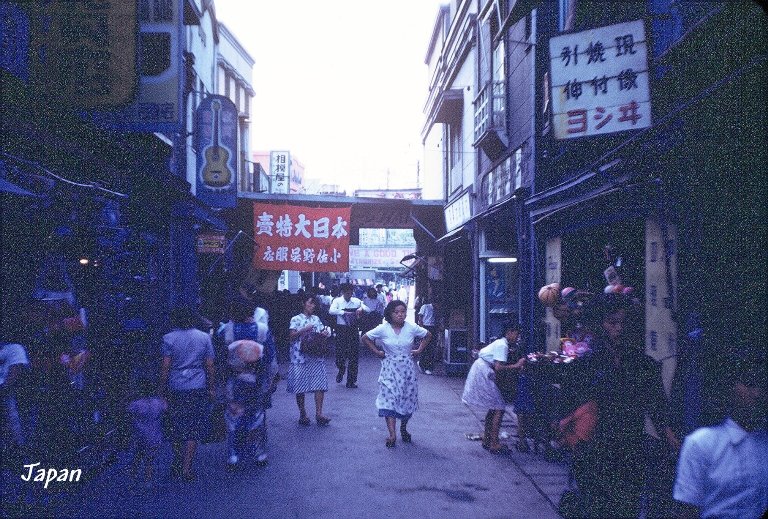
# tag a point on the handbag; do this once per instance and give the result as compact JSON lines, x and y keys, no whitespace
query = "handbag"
{"x":315,"y":343}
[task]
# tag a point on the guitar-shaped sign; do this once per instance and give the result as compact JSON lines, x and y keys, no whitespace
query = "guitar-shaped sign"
{"x":216,"y":172}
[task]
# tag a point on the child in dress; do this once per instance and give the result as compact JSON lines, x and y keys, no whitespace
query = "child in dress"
{"x":146,"y":412}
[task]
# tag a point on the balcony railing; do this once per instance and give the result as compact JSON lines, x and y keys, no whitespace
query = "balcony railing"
{"x":490,"y":106}
{"x":490,"y":119}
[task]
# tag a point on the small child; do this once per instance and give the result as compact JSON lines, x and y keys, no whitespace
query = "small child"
{"x":146,"y":411}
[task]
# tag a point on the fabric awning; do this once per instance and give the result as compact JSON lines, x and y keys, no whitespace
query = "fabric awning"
{"x":452,"y":235}
{"x":8,"y":187}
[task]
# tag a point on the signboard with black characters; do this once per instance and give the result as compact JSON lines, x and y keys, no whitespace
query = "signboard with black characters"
{"x":599,"y":81}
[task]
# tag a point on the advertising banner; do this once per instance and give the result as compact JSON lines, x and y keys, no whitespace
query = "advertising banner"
{"x":216,"y":139}
{"x":306,"y":239}
{"x":377,"y":257}
{"x":600,"y":81}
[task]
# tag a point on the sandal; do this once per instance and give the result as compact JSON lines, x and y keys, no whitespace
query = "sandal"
{"x":501,"y":450}
{"x":304,"y":421}
{"x":390,"y":443}
{"x":322,"y":421}
{"x":405,"y":435}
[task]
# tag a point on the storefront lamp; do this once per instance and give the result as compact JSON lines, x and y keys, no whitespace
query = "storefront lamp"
{"x":502,"y":260}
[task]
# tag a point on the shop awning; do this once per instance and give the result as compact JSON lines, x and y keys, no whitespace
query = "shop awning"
{"x":8,"y":187}
{"x":449,"y":106}
{"x":452,"y":235}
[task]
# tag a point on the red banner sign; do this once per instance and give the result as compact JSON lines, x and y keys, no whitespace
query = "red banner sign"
{"x":307,"y":239}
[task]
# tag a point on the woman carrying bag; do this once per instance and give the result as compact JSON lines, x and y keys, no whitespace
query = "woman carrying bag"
{"x":307,"y":373}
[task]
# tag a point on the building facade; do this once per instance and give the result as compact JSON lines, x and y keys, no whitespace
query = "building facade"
{"x":583,"y":161}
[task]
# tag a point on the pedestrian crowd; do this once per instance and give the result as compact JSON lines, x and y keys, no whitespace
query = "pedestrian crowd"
{"x":217,"y":384}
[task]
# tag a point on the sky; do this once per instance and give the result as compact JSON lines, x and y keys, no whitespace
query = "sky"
{"x":341,"y":84}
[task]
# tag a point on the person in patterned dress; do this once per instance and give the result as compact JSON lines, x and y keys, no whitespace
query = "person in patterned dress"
{"x":393,"y":342}
{"x":306,"y":373}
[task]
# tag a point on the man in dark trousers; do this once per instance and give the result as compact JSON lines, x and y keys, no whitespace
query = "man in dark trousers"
{"x":347,"y":310}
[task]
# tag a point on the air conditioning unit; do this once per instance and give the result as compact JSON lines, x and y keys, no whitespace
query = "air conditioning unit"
{"x":456,"y":354}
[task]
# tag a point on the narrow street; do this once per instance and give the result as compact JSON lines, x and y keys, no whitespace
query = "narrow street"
{"x":345,"y":470}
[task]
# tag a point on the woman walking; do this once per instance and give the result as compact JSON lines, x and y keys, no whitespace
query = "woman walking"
{"x":185,"y":374}
{"x":249,"y":388}
{"x":398,"y":383}
{"x":307,"y":373}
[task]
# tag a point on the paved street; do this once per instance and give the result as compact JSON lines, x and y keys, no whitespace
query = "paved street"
{"x":345,"y":470}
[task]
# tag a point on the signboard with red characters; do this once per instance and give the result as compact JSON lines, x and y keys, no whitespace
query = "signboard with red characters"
{"x":600,"y":81}
{"x":306,"y":239}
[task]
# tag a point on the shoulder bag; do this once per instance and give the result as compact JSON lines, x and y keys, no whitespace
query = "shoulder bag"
{"x":315,"y":343}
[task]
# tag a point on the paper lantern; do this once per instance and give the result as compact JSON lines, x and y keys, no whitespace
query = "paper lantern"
{"x":567,"y":293}
{"x":550,"y":294}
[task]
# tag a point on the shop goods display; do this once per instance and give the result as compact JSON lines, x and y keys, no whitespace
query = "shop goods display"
{"x":552,"y":357}
{"x":574,"y":348}
{"x":550,"y":294}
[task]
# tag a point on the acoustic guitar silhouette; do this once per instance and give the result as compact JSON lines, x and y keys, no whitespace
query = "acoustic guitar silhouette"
{"x":216,"y":172}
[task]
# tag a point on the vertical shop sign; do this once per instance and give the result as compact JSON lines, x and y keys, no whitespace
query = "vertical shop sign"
{"x":83,"y":54}
{"x":279,"y":169}
{"x":599,"y":81}
{"x":216,"y":138}
{"x":660,"y":271}
{"x":553,"y":274}
{"x":458,"y":212}
{"x":306,"y":239}
{"x":157,"y":104}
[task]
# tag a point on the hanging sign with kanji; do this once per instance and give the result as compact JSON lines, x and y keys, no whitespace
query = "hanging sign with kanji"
{"x":306,"y":239}
{"x":600,"y":81}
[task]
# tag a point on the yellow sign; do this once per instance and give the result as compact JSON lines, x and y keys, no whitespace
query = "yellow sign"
{"x":212,"y":243}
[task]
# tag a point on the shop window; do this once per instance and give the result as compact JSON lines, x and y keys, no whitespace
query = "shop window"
{"x":155,"y":48}
{"x":499,"y":238}
{"x":500,"y":286}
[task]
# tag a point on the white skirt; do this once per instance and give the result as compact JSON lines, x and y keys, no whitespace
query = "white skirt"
{"x":480,"y":389}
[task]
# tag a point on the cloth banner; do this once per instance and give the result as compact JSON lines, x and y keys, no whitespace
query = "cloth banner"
{"x":301,"y":238}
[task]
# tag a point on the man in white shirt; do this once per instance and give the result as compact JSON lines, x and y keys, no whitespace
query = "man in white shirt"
{"x":347,"y":310}
{"x":380,"y":294}
{"x":723,"y":470}
{"x":402,"y":294}
{"x":426,"y":319}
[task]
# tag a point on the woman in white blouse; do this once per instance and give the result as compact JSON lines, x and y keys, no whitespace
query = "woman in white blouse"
{"x":393,"y":342}
{"x":481,"y":391}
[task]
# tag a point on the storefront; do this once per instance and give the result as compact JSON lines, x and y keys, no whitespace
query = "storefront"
{"x":499,"y":275}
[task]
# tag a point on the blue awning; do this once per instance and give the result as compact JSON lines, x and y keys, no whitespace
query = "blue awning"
{"x":8,"y":187}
